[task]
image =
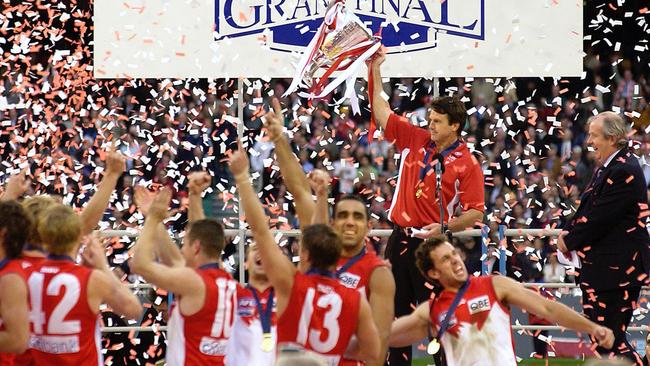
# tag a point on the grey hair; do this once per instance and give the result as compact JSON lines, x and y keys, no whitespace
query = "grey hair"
{"x":613,"y":126}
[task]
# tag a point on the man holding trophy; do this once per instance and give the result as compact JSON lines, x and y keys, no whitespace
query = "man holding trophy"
{"x":432,"y":160}
{"x":438,"y":177}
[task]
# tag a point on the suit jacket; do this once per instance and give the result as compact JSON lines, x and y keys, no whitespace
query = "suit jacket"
{"x":608,"y":227}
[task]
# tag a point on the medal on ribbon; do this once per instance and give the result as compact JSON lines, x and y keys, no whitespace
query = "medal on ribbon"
{"x":266,"y":317}
{"x":433,"y":347}
{"x":424,"y":169}
{"x":342,"y":43}
{"x":267,"y":342}
{"x":419,"y":192}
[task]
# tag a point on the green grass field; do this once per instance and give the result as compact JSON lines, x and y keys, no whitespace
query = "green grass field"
{"x":526,"y":362}
{"x":553,"y":361}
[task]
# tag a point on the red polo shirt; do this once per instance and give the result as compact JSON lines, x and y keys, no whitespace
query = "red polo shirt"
{"x":462,"y":181}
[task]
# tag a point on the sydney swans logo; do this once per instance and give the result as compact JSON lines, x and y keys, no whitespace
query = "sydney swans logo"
{"x":408,"y":25}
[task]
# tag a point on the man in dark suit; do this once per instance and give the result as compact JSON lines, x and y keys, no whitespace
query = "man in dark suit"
{"x":610,"y":232}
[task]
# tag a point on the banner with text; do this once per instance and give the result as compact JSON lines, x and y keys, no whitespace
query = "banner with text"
{"x":264,"y":38}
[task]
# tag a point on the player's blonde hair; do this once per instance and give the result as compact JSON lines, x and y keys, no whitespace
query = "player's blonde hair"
{"x":60,"y":229}
{"x":35,"y":206}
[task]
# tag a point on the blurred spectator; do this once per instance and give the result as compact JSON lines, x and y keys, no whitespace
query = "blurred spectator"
{"x":346,"y":172}
{"x":553,"y":270}
{"x":471,"y":250}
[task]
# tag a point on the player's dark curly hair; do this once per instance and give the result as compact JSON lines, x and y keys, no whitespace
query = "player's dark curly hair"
{"x":423,"y":254}
{"x":15,"y":225}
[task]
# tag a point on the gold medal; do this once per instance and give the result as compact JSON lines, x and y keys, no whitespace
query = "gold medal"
{"x":418,"y":193}
{"x":267,"y":342}
{"x":433,"y":347}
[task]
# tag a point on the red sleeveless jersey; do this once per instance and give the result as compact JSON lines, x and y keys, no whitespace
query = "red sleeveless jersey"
{"x":201,"y":338}
{"x":321,"y":316}
{"x":10,"y":266}
{"x":357,"y":276}
{"x":28,"y":265}
{"x":479,"y":329}
{"x":64,"y":329}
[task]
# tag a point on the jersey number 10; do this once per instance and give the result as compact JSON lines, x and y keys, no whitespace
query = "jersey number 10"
{"x":223,"y":317}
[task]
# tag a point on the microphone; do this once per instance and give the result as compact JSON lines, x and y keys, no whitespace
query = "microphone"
{"x":440,"y":169}
{"x":448,"y":234}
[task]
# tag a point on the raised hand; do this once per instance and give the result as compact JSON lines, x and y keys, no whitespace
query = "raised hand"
{"x":274,"y":121}
{"x":238,"y":162}
{"x":159,"y":207}
{"x":115,"y":162}
{"x":142,"y":197}
{"x":378,"y":58}
{"x":94,"y":254}
{"x":198,"y":182}
{"x":17,"y":185}
{"x":319,"y":181}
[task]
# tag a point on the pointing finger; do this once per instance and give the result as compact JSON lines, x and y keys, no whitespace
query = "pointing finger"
{"x":277,"y":107}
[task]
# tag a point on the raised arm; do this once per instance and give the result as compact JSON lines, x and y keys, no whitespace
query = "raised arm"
{"x":319,"y":181}
{"x":199,"y":182}
{"x":292,"y":173}
{"x":380,"y":108}
{"x":14,"y":311}
{"x":166,"y":250}
{"x":278,"y":267}
{"x":411,"y":328}
{"x":382,"y":294}
{"x":94,"y":210}
{"x":16,"y":187}
{"x":513,"y":293}
{"x":180,"y":280}
{"x":111,"y":291}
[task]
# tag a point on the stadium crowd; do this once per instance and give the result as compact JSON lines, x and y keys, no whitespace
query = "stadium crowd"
{"x":528,"y":134}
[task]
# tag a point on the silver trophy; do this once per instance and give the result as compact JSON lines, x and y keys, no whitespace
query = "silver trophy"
{"x":346,"y":33}
{"x":342,"y":44}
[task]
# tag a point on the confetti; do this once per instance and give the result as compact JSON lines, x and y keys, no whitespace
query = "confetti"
{"x":529,"y":138}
